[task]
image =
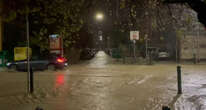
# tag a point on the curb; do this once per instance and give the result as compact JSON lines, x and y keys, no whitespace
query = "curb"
{"x":174,"y":101}
{"x":2,"y":69}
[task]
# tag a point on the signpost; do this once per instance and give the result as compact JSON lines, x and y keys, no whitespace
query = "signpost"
{"x":29,"y":75}
{"x":134,"y":35}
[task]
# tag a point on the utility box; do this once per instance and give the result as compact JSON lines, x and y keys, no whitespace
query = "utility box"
{"x":20,"y":53}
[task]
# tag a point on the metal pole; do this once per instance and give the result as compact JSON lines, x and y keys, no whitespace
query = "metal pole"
{"x":1,"y":33}
{"x":28,"y":57}
{"x":194,"y":51}
{"x":134,"y":50}
{"x":146,"y":47}
{"x":179,"y":80}
{"x":1,"y":26}
{"x":62,"y":46}
{"x":150,"y":57}
{"x":198,"y":46}
{"x":176,"y":49}
{"x":31,"y":81}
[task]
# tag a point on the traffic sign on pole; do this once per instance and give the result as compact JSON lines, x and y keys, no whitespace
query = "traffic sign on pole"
{"x":134,"y":35}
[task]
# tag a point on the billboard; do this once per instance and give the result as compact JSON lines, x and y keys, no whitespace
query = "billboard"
{"x":56,"y":44}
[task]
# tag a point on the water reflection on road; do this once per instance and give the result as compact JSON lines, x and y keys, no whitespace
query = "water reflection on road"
{"x":99,"y":84}
{"x":59,"y":80}
{"x":99,"y":61}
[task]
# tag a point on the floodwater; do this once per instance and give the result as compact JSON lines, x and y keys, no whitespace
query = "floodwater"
{"x":101,"y":84}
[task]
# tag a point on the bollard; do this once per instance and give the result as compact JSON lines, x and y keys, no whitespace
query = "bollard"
{"x":31,"y":81}
{"x":165,"y":108}
{"x":179,"y":80}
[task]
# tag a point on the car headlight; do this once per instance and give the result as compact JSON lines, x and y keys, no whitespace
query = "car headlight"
{"x":8,"y":64}
{"x":65,"y":64}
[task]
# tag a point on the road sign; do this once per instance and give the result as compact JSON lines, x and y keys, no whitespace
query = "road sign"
{"x":134,"y":35}
{"x":20,"y":53}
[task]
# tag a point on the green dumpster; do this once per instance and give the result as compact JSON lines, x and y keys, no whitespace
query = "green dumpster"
{"x":3,"y":59}
{"x":116,"y":53}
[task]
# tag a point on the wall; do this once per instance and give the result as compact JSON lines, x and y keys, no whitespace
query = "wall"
{"x":189,"y":46}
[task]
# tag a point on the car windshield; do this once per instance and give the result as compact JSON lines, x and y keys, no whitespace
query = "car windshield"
{"x":102,"y":54}
{"x":162,"y":50}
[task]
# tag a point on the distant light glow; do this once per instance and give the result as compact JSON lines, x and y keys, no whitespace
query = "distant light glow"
{"x":99,"y":16}
{"x":54,"y":36}
{"x":100,"y":38}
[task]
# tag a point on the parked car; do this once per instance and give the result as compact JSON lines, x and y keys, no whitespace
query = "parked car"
{"x":53,"y":62}
{"x":163,"y":54}
{"x":154,"y":51}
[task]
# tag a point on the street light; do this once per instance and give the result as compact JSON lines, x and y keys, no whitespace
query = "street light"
{"x":99,"y":16}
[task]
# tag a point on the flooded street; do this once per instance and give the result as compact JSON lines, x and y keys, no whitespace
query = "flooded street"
{"x":99,"y":84}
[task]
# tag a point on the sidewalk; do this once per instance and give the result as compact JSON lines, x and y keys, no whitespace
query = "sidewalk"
{"x":2,"y":69}
{"x":194,"y":89}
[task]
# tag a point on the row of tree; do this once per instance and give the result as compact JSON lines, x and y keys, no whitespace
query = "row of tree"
{"x":74,"y":20}
{"x":64,"y":17}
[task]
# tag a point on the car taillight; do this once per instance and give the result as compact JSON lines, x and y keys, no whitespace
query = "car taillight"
{"x":61,"y":60}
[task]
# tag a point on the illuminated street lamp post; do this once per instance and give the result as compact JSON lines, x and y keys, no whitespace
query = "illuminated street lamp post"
{"x":99,"y":17}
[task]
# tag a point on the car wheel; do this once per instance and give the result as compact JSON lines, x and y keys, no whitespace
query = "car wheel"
{"x":13,"y":68}
{"x":51,"y":68}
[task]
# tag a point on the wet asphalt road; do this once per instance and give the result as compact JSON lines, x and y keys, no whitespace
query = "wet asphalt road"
{"x":99,"y":84}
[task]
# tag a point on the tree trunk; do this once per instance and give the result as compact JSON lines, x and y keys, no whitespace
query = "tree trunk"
{"x":1,"y":28}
